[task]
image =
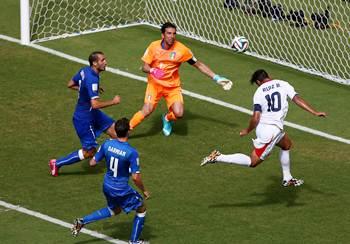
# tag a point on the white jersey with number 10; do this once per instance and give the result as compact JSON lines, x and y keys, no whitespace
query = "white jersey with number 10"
{"x":271,"y":97}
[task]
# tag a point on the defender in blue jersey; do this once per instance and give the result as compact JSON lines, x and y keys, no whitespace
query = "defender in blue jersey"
{"x":89,"y":122}
{"x":121,"y":160}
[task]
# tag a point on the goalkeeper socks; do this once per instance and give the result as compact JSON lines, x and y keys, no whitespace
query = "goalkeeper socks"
{"x":72,"y":158}
{"x":285,"y":164}
{"x":136,"y":119}
{"x":170,"y":116}
{"x":137,"y":226}
{"x":237,"y":158}
{"x":103,"y":213}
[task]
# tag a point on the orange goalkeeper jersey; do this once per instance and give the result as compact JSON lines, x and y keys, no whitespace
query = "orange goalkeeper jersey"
{"x":167,"y":60}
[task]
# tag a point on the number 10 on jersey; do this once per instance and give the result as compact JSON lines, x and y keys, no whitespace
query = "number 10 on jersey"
{"x":273,"y":102}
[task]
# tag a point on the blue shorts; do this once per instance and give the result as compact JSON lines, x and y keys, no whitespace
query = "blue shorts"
{"x":89,"y":129}
{"x":131,"y":201}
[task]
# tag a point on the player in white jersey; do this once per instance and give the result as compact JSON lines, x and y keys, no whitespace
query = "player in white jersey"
{"x":270,"y":109}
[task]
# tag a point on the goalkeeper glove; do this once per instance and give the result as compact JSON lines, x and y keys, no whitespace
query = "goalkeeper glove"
{"x":157,"y":73}
{"x":224,"y":82}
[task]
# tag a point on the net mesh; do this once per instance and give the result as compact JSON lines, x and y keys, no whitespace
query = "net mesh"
{"x":309,"y":35}
{"x":60,"y":18}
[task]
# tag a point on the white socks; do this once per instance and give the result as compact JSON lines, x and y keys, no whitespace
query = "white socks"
{"x":285,"y":164}
{"x":244,"y":160}
{"x":237,"y":158}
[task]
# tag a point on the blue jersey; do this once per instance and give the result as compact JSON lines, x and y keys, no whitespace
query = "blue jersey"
{"x":121,"y":160}
{"x":88,"y":81}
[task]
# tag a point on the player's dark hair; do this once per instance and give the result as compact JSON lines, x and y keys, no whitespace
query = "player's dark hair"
{"x":259,"y":75}
{"x":122,"y":127}
{"x":167,"y":25}
{"x":94,"y":56}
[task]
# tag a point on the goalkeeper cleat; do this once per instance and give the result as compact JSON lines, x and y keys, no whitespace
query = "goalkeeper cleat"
{"x":292,"y":182}
{"x":211,"y":158}
{"x":167,"y":126}
{"x":77,"y":226}
{"x":53,"y":167}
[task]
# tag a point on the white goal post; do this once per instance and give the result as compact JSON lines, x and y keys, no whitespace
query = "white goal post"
{"x":308,"y":35}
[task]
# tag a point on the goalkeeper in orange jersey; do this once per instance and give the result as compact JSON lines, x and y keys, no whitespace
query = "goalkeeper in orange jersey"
{"x":161,"y":62}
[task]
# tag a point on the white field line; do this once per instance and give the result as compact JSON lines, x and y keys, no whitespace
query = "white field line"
{"x":188,"y":93}
{"x":59,"y":222}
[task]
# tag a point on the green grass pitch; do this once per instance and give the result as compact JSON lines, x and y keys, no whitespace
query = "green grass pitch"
{"x":189,"y":204}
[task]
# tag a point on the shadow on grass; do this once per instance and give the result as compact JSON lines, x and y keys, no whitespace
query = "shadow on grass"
{"x":122,"y":230}
{"x":154,"y":130}
{"x":274,"y":194}
{"x":180,"y":127}
{"x":86,"y":169}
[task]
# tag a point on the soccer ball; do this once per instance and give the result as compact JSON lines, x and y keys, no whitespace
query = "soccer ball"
{"x":240,"y":44}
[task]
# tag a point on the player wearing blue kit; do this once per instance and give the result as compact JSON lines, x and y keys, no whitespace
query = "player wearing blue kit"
{"x":89,"y":122}
{"x":121,"y":160}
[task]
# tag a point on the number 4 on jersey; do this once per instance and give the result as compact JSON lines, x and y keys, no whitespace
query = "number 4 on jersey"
{"x":113,"y":165}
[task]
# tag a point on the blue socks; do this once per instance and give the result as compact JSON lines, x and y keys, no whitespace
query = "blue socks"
{"x":103,"y":213}
{"x":69,"y":159}
{"x":137,"y":226}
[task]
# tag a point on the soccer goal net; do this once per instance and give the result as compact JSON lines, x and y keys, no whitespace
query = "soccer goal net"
{"x":309,"y":35}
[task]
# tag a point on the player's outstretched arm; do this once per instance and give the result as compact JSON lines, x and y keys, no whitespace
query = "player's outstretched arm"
{"x":138,"y":182}
{"x":97,"y":104}
{"x":224,"y":82}
{"x":304,"y":105}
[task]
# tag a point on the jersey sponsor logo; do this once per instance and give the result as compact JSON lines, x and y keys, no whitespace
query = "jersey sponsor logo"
{"x":172,"y":55}
{"x":95,"y":87}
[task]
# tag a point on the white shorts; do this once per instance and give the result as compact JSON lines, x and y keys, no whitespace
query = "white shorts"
{"x":267,"y":137}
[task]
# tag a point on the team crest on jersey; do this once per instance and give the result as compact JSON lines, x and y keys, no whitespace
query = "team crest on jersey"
{"x":172,"y":55}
